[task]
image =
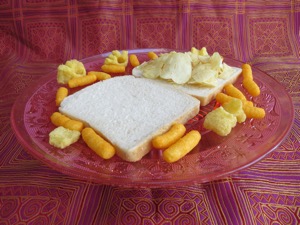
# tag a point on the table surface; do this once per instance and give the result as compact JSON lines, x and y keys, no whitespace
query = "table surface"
{"x":37,"y":36}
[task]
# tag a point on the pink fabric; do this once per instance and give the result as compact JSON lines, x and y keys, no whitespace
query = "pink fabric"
{"x":36,"y":36}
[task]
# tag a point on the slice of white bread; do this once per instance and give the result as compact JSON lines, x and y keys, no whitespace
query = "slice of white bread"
{"x":129,"y":111}
{"x":204,"y":93}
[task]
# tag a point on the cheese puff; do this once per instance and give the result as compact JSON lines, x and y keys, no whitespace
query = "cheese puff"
{"x":100,"y":146}
{"x":152,"y":55}
{"x":59,"y":119}
{"x":82,"y":81}
{"x":73,"y":125}
{"x":223,"y":98}
{"x":248,"y":82}
{"x":182,"y":147}
{"x":72,"y":68}
{"x":134,"y":61}
{"x":254,"y":112}
{"x":99,"y":75}
{"x":247,"y":71}
{"x":117,"y":58}
{"x":252,"y":88}
{"x":170,"y":137}
{"x":61,"y":93}
{"x":113,"y":68}
{"x":234,"y":92}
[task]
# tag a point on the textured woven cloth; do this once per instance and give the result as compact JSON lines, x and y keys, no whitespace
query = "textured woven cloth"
{"x":38,"y":35}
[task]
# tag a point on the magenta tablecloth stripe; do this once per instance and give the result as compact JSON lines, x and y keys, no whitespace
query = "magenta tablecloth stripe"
{"x":36,"y":36}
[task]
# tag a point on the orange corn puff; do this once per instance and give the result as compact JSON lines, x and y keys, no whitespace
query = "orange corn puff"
{"x":100,"y":146}
{"x":168,"y":138}
{"x":81,"y":81}
{"x":99,"y":75}
{"x":251,"y":87}
{"x":73,"y":125}
{"x":59,"y":119}
{"x":152,"y":55}
{"x":111,"y":68}
{"x":61,"y":93}
{"x":254,"y":112}
{"x":182,"y":147}
{"x":134,"y":60}
{"x":247,"y":71}
{"x":234,"y":92}
{"x":248,"y":82}
{"x":223,"y":98}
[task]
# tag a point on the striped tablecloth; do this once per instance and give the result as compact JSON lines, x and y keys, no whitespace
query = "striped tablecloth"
{"x":38,"y":35}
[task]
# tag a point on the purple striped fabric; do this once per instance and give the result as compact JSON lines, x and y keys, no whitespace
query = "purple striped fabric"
{"x":38,"y":35}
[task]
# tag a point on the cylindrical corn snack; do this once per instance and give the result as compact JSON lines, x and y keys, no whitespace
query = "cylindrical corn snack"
{"x":100,"y":146}
{"x":134,"y":60}
{"x":223,"y":98}
{"x":73,"y":125}
{"x":152,"y":55}
{"x":248,"y":82}
{"x":247,"y":71}
{"x":254,"y":112}
{"x":182,"y":147}
{"x":252,"y":88}
{"x":81,"y":81}
{"x":113,"y":68}
{"x":234,"y":92}
{"x":170,"y":137}
{"x":99,"y":75}
{"x":61,"y":93}
{"x":59,"y":119}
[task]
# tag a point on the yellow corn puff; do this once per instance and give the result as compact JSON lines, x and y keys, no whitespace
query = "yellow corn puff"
{"x":223,"y":98}
{"x":73,"y":125}
{"x":248,"y":82}
{"x":81,"y":81}
{"x":100,"y":146}
{"x":170,"y":137}
{"x":254,"y":112}
{"x":113,"y":68}
{"x":99,"y":75}
{"x":252,"y":88}
{"x":234,"y":92}
{"x":59,"y":119}
{"x":61,"y":93}
{"x":134,"y":61}
{"x":247,"y":71}
{"x":152,"y":55}
{"x":182,"y":147}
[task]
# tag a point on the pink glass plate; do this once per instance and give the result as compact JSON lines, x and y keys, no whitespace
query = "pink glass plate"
{"x":214,"y":157}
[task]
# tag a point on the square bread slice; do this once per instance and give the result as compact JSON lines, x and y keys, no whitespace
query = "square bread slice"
{"x":129,"y":111}
{"x":204,"y":93}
